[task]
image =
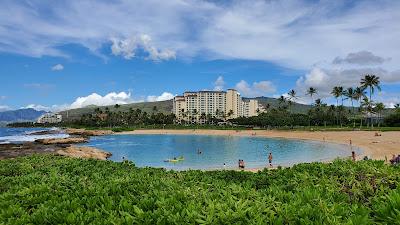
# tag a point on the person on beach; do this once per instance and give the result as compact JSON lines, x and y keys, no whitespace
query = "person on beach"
{"x":353,"y":156}
{"x":395,"y":160}
{"x":241,"y":164}
{"x":224,"y":166}
{"x":270,"y":159}
{"x":351,"y":143}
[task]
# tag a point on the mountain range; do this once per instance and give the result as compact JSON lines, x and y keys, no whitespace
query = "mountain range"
{"x":163,"y":107}
{"x":20,"y":115}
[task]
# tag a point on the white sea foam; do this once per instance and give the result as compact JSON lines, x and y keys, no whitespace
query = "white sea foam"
{"x":29,"y":138}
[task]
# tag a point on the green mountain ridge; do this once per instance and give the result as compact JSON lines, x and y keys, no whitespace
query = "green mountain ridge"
{"x":164,"y":107}
{"x":161,"y":106}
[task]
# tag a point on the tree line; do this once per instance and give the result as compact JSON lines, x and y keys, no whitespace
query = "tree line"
{"x":367,"y":112}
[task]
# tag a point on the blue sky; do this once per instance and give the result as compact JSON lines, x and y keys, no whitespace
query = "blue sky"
{"x":68,"y":54}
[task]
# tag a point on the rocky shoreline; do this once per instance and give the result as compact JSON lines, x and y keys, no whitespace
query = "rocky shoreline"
{"x":57,"y":146}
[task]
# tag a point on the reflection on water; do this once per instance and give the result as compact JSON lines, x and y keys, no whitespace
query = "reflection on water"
{"x":153,"y":150}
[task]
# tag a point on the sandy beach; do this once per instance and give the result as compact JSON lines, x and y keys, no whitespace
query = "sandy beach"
{"x":375,"y":147}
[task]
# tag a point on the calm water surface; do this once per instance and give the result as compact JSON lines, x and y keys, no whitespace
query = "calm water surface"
{"x":152,"y":150}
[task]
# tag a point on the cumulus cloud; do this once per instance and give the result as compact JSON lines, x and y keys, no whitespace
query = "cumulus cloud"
{"x":277,"y":31}
{"x":111,"y":98}
{"x":4,"y":108}
{"x":325,"y":79}
{"x":98,"y":100}
{"x":163,"y":97}
{"x":360,"y":58}
{"x":219,"y":84}
{"x":57,"y":67}
{"x":37,"y":107}
{"x":257,"y":89}
{"x":127,"y":48}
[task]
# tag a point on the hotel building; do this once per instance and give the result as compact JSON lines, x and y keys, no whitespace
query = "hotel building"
{"x":198,"y":107}
{"x":50,"y":118}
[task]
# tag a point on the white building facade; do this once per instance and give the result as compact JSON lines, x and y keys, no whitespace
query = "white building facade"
{"x":50,"y":118}
{"x":198,"y":107}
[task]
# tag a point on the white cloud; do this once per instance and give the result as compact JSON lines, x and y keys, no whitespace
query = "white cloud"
{"x":37,"y":107}
{"x":360,"y":58}
{"x":292,"y":33}
{"x":57,"y":67}
{"x":108,"y":99}
{"x":163,"y":97}
{"x":4,"y":108}
{"x":127,"y":48}
{"x":111,"y":98}
{"x":219,"y":84}
{"x":257,"y":89}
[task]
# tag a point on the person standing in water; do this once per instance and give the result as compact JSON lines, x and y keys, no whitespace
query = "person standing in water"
{"x":353,"y":156}
{"x":270,"y":159}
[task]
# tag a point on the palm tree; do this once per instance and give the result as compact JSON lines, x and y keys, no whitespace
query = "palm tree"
{"x":203,"y":116}
{"x":292,"y":96}
{"x":397,"y":107}
{"x":370,"y":81}
{"x":281,"y":100}
{"x":311,"y":92}
{"x":350,"y":93}
{"x":195,"y":113}
{"x":338,"y":92}
{"x":379,"y":107}
{"x":230,"y":113}
{"x":367,"y":106}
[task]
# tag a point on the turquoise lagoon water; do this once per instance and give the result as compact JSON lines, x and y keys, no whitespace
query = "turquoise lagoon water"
{"x":152,"y":150}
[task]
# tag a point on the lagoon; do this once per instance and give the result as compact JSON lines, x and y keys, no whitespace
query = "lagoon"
{"x":153,"y":150}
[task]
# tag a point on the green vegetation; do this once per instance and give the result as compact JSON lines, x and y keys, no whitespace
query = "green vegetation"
{"x":148,"y":107}
{"x":368,"y":113}
{"x":58,"y":190}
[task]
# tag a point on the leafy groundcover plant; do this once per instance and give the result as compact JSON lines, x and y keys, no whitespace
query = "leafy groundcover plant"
{"x":58,"y":190}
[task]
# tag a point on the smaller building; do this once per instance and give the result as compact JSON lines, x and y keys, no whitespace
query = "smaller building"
{"x":251,"y":108}
{"x":50,"y":118}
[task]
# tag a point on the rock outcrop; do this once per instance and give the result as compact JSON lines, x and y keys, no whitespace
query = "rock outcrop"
{"x":68,"y":140}
{"x":84,"y":152}
{"x":83,"y":132}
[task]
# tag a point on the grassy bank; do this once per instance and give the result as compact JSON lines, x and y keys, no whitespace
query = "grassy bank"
{"x":53,"y":190}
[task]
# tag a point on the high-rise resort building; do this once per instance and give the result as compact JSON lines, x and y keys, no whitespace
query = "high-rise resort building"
{"x":50,"y":118}
{"x":199,"y":107}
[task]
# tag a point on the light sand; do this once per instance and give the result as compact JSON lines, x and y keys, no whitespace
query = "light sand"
{"x":375,"y":147}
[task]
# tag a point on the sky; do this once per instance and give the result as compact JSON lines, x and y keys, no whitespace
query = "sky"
{"x":57,"y":55}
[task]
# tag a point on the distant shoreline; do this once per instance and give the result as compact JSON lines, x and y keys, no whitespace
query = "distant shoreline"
{"x":375,"y":147}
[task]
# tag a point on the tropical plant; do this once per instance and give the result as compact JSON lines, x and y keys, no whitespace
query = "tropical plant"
{"x":368,"y":107}
{"x":58,"y":190}
{"x":379,"y":107}
{"x":337,"y":92}
{"x":351,"y":94}
{"x":370,"y":81}
{"x":311,"y":92}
